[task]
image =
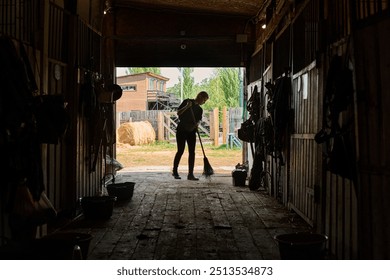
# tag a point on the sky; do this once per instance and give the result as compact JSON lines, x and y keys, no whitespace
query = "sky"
{"x":173,"y":74}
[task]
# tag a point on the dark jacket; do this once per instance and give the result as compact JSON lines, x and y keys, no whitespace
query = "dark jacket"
{"x":189,"y":119}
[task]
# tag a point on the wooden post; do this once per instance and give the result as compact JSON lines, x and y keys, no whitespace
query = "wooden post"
{"x":117,"y":125}
{"x":225,"y":125}
{"x":43,"y":87}
{"x":160,"y":126}
{"x":216,"y":126}
{"x":211,"y":125}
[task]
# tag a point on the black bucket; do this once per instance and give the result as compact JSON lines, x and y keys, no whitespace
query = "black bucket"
{"x":239,"y":177}
{"x":98,"y":207}
{"x":123,"y":191}
{"x":302,"y":246}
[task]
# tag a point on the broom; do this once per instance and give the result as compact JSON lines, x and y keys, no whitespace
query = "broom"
{"x":207,"y":169}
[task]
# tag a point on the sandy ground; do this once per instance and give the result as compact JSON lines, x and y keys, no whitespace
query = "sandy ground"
{"x":146,"y":159}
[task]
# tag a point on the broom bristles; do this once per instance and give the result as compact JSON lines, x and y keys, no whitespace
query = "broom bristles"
{"x":207,"y":169}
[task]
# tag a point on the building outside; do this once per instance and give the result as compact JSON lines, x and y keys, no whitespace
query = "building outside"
{"x":143,"y":91}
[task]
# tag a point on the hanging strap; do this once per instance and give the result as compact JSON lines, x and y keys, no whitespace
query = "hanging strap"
{"x":32,"y":85}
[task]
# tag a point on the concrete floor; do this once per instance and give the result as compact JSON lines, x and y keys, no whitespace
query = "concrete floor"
{"x":179,"y":219}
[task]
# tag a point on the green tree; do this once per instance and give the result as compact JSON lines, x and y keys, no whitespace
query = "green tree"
{"x":230,"y":86}
{"x":138,"y":70}
{"x":175,"y":89}
{"x":188,"y":82}
{"x":223,"y":87}
{"x":216,"y":99}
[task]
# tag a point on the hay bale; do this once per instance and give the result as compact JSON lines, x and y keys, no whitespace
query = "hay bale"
{"x":136,"y":133}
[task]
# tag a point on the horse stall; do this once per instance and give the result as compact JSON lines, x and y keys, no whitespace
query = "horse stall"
{"x":322,"y":164}
{"x":65,"y":148}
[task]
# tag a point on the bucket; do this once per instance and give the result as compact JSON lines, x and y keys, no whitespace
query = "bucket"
{"x":239,"y":177}
{"x":98,"y":207}
{"x":123,"y":191}
{"x":302,"y":246}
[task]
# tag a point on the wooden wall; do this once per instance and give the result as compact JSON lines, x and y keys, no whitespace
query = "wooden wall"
{"x":269,"y":164}
{"x":325,"y":200}
{"x":71,"y":42}
{"x":305,"y":154}
{"x":67,"y":49}
{"x":339,"y":196}
{"x":371,"y":50}
{"x":20,"y":23}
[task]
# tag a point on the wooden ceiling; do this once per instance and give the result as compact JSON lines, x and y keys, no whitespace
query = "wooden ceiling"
{"x":245,"y":8}
{"x":189,"y":33}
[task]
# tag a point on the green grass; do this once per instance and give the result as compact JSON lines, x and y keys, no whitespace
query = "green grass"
{"x":159,"y":145}
{"x":225,"y":147}
{"x":165,"y":145}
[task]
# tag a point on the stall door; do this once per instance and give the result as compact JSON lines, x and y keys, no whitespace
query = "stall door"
{"x":305,"y":156}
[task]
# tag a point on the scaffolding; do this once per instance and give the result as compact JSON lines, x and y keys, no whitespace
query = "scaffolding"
{"x":160,"y":100}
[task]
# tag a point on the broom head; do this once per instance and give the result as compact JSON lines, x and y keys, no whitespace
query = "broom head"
{"x":207,"y":169}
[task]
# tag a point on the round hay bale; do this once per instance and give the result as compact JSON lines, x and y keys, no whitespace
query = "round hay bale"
{"x":136,"y":133}
{"x":148,"y":132}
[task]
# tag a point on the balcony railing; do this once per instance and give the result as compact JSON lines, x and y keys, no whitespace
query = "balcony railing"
{"x":161,"y":100}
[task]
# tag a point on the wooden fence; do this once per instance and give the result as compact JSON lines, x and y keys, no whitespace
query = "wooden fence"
{"x":214,"y":125}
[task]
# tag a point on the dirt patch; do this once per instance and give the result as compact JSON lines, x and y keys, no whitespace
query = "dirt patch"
{"x":133,"y":156}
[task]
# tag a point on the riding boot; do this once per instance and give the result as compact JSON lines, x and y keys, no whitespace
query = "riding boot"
{"x":192,"y":177}
{"x":175,"y":174}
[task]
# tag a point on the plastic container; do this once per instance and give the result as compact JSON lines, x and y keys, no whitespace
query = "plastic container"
{"x":239,"y":177}
{"x":302,"y":246}
{"x":123,"y":191}
{"x":98,"y":207}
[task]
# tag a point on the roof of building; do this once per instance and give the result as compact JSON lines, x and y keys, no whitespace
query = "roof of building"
{"x":157,"y":76}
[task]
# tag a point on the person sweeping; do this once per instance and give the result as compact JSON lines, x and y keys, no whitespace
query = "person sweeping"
{"x":190,"y":114}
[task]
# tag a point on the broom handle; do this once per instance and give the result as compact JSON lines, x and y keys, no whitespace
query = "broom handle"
{"x":200,"y":140}
{"x":197,"y":131}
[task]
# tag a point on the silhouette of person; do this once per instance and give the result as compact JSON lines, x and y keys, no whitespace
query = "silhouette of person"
{"x":190,"y":114}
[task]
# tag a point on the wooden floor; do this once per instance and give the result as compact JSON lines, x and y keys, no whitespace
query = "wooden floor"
{"x":179,"y":219}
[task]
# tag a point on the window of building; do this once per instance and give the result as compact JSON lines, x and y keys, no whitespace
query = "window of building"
{"x":129,"y":88}
{"x":161,"y":85}
{"x":151,"y":83}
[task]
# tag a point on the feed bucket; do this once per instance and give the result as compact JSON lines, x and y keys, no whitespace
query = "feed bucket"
{"x":239,"y":177}
{"x":302,"y":246}
{"x":123,"y":191}
{"x":98,"y":207}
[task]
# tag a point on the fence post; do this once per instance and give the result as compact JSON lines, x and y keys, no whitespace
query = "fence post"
{"x":160,"y":126}
{"x":215,"y":126}
{"x":225,"y":125}
{"x":169,"y":125}
{"x":117,"y":124}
